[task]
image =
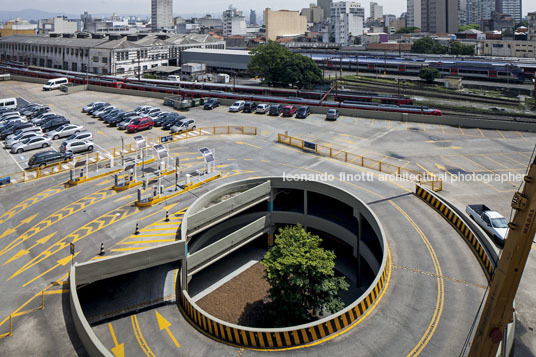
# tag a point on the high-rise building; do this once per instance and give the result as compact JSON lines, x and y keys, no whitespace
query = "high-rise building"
{"x":510,"y":7}
{"x":532,"y":25}
{"x":347,"y":19}
{"x":313,"y":13}
{"x":414,"y":13}
{"x":478,"y":10}
{"x":376,"y":11}
{"x":161,"y":14}
{"x":233,"y":22}
{"x":252,"y":17}
{"x":326,"y":6}
{"x":439,"y":16}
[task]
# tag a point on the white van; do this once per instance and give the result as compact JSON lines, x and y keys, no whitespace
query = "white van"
{"x":8,"y":103}
{"x":174,"y":78}
{"x":55,"y":83}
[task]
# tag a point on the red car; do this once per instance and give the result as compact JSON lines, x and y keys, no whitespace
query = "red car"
{"x":140,"y":124}
{"x":289,"y":110}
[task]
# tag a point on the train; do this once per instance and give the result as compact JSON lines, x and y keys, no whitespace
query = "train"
{"x":469,"y":69}
{"x":198,"y":90}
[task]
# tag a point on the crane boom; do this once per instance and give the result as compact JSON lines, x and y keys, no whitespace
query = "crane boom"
{"x":498,"y":310}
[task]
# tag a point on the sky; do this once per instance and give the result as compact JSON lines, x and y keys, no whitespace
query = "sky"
{"x":139,"y":7}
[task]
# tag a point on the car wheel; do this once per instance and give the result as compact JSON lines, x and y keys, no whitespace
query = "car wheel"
{"x":135,"y":130}
{"x":55,"y":137}
{"x":44,"y":145}
{"x":42,"y":166}
{"x":193,"y":127}
{"x":90,"y":148}
{"x":150,"y":127}
{"x":19,"y":151}
{"x":76,"y":132}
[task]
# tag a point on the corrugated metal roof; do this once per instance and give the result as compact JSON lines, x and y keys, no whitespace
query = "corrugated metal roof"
{"x":219,"y":52}
{"x":53,"y":41}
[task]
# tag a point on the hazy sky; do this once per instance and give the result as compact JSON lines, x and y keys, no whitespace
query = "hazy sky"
{"x":185,"y":7}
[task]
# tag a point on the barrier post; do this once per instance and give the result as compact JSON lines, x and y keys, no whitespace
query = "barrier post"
{"x":59,"y":166}
{"x":398,"y":171}
{"x":346,"y":156}
{"x":42,"y":299}
{"x":380,"y":166}
{"x":214,"y":129}
{"x":114,"y":152}
{"x":228,"y":129}
{"x":330,"y":152}
{"x":362,"y":161}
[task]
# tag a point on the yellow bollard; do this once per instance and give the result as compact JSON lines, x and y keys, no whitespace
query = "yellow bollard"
{"x":42,"y":299}
{"x":10,"y":326}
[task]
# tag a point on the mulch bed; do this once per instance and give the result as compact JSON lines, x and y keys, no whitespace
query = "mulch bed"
{"x":242,"y":300}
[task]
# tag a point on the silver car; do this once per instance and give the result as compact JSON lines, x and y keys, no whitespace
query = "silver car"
{"x":103,"y":110}
{"x":11,"y":141}
{"x":64,"y":131}
{"x":30,"y":144}
{"x":123,"y":125}
{"x":76,"y":146}
{"x":183,"y":125}
{"x":83,"y":135}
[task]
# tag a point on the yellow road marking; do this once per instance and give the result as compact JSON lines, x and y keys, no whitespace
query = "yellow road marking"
{"x":127,"y":249}
{"x":423,"y":127}
{"x":164,"y":324}
{"x":100,"y":132}
{"x":372,"y":122}
{"x":533,"y":248}
{"x":147,"y":241}
{"x":119,"y":349}
{"x":442,"y":129}
{"x":105,"y":182}
{"x":14,"y":229}
{"x":61,"y":262}
{"x":152,"y":235}
{"x":123,"y":198}
{"x":38,"y":197}
{"x":139,"y":336}
{"x":156,"y":229}
{"x":388,"y":124}
{"x":243,"y":143}
{"x":525,"y":139}
{"x":481,"y":133}
{"x":429,"y":173}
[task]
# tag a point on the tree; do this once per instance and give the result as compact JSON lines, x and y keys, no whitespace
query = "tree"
{"x":457,"y":48}
{"x":468,"y":27}
{"x":302,"y":278}
{"x":277,"y":66}
{"x":410,"y":29}
{"x":428,"y":74}
{"x":428,"y":45}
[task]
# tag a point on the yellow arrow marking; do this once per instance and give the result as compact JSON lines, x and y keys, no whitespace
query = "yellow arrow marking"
{"x":30,"y":202}
{"x":119,"y":349}
{"x":24,"y":252}
{"x":14,"y":229}
{"x":61,"y":262}
{"x":441,"y":167}
{"x":58,"y":216}
{"x":100,"y":132}
{"x":243,"y":143}
{"x":164,"y":324}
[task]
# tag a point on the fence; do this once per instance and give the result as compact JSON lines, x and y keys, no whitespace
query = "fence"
{"x":103,"y":160}
{"x":359,"y":160}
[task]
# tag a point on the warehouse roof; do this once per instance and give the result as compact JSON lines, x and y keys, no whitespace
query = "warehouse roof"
{"x":219,"y":52}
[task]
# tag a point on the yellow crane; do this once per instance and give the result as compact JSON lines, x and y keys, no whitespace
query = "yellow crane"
{"x":498,"y":310}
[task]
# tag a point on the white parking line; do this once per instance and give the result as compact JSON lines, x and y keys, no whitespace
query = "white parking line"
{"x":9,"y":153}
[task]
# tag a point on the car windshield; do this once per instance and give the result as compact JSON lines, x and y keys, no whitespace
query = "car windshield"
{"x":331,"y":111}
{"x":499,"y":223}
{"x":25,"y":141}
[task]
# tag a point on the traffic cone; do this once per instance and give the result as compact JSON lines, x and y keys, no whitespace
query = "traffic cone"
{"x":101,"y":249}
{"x":167,"y":216}
{"x":137,"y":230}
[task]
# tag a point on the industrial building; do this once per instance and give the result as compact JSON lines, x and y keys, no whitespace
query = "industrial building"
{"x":225,"y":61}
{"x":114,"y":54}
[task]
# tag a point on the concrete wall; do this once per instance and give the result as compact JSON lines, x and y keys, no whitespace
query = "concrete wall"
{"x":284,"y":23}
{"x":95,"y":270}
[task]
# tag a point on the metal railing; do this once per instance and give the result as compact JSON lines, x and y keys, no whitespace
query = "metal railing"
{"x":102,"y":160}
{"x":339,"y":154}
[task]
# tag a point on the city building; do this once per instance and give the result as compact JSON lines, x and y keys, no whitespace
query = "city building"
{"x":376,"y":11}
{"x":161,"y":15}
{"x":99,"y":54}
{"x":58,"y":24}
{"x":17,"y":27}
{"x":414,"y":13}
{"x":85,"y":18}
{"x":233,"y":22}
{"x":510,"y":7}
{"x":507,"y":48}
{"x":252,"y":17}
{"x":326,"y":6}
{"x":347,"y":18}
{"x":462,"y":12}
{"x":531,"y":17}
{"x":497,"y":22}
{"x":284,"y":23}
{"x":387,"y":19}
{"x":477,"y":10}
{"x":313,"y":13}
{"x":439,"y":16}
{"x":220,"y":61}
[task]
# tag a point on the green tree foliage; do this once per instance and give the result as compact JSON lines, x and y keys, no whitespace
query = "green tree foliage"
{"x":428,"y":74}
{"x":468,"y":27}
{"x":428,"y":45}
{"x":150,"y":76}
{"x":458,"y":48}
{"x":410,"y":29}
{"x":302,"y":278}
{"x":277,"y":66}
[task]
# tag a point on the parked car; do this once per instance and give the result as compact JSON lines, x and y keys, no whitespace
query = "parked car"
{"x":491,"y":221}
{"x":91,"y":106}
{"x":289,"y":110}
{"x":64,"y":131}
{"x":333,"y":114}
{"x":25,"y":130}
{"x":54,"y":124}
{"x":38,"y":111}
{"x":237,"y":106}
{"x":169,"y":123}
{"x":10,"y":129}
{"x":140,"y":124}
{"x":76,"y":146}
{"x":35,"y":142}
{"x":8,"y":120}
{"x":55,"y":83}
{"x":275,"y":109}
{"x":83,"y":135}
{"x":100,"y":113}
{"x":12,"y":140}
{"x":303,"y":112}
{"x":249,"y":107}
{"x":152,"y":111}
{"x":44,"y":158}
{"x":117,"y":116}
{"x":141,"y":108}
{"x":184,"y":125}
{"x":160,"y":117}
{"x":97,"y":106}
{"x":211,"y":104}
{"x":30,"y":110}
{"x":42,"y":116}
{"x":10,"y":113}
{"x":170,"y":118}
{"x":123,"y":125}
{"x":262,"y":108}
{"x":111,"y":113}
{"x":46,"y":119}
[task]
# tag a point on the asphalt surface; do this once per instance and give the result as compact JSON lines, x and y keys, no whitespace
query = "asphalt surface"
{"x":428,"y":305}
